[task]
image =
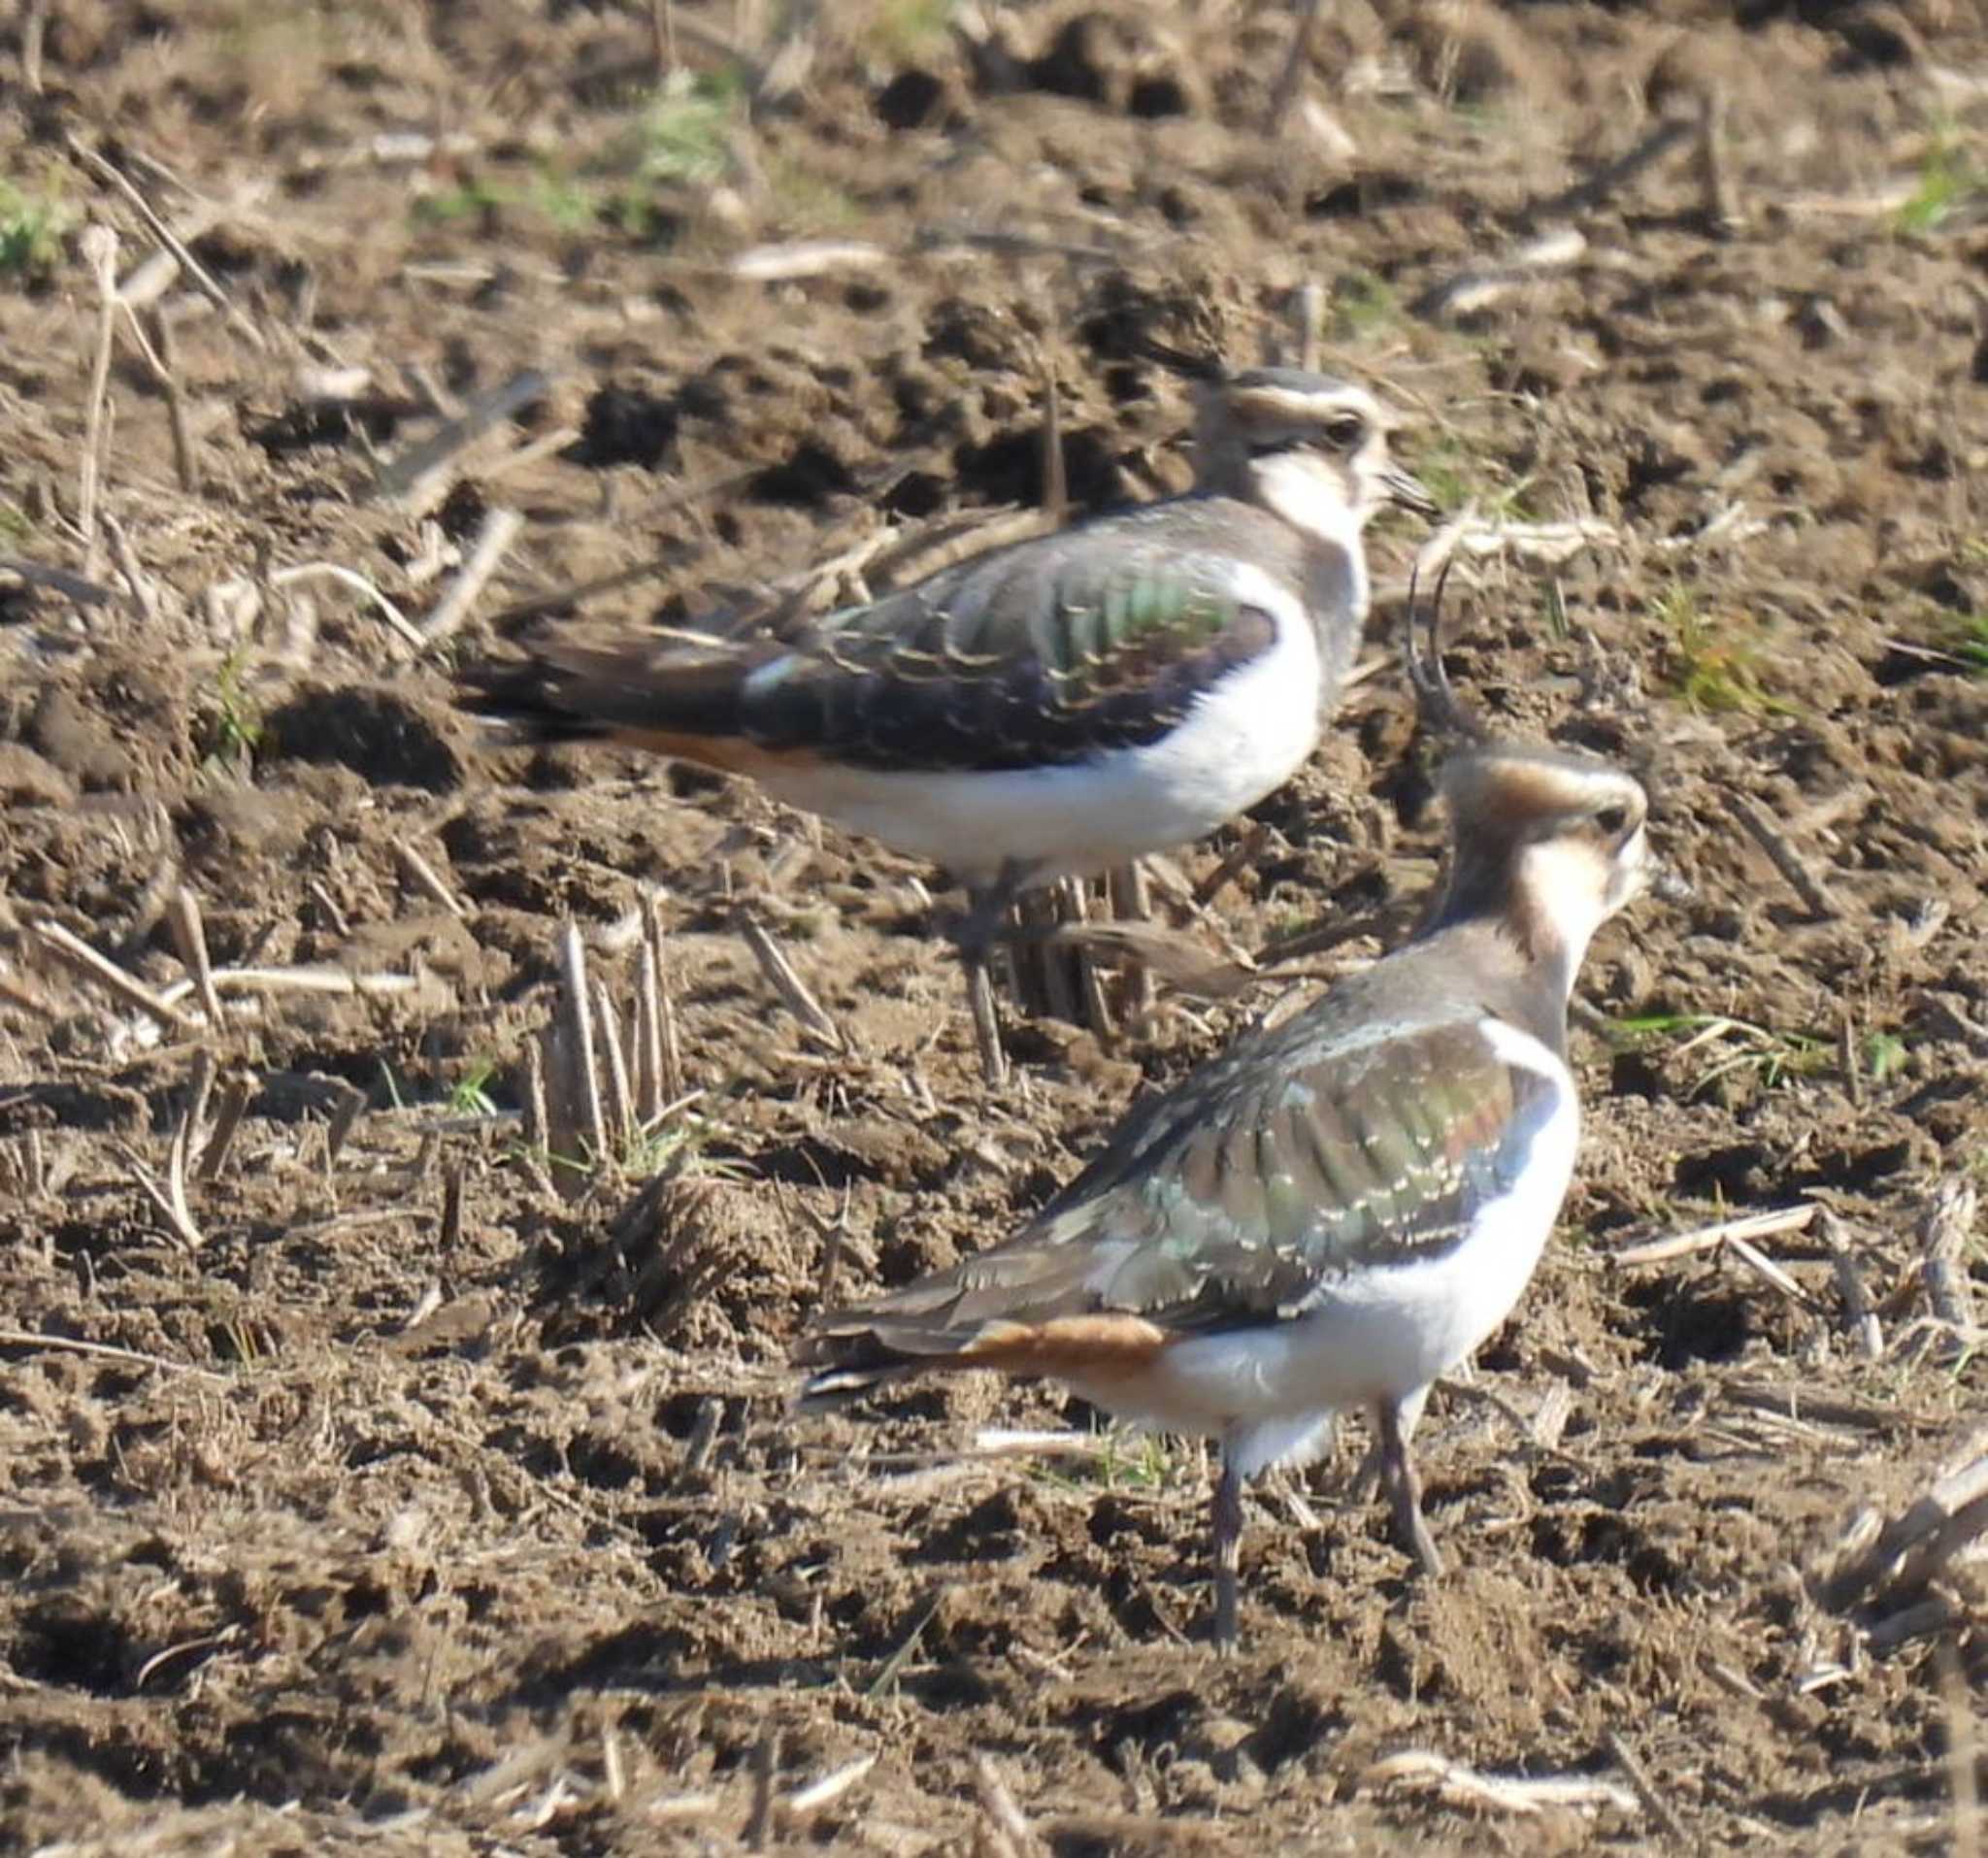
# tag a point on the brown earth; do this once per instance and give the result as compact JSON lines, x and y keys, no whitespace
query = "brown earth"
{"x":358,"y":1525}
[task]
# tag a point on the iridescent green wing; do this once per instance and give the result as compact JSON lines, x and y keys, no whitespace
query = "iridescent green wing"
{"x":1243,"y":1196}
{"x":1048,"y":652}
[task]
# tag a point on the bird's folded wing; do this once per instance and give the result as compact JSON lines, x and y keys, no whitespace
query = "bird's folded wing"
{"x":1248,"y":1193}
{"x":1047,"y":652}
{"x":1041,"y":654}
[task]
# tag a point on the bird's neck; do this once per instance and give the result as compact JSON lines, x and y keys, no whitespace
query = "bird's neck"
{"x":1526,"y":920}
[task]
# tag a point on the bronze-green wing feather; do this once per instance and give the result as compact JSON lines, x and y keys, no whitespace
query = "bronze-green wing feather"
{"x":1339,"y":1142}
{"x":1051,"y":652}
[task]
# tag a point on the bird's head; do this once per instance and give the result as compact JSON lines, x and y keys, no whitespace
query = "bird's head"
{"x":1548,"y":842}
{"x":1310,"y":447}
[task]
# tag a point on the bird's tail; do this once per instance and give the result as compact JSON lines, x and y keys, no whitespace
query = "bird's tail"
{"x":657,"y":691}
{"x":854,"y":1352}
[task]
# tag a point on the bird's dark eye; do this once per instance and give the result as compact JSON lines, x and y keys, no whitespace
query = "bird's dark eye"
{"x":1613,"y":817}
{"x":1345,"y":432}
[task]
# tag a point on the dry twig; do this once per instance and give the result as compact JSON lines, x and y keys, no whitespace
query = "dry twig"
{"x":79,"y":954}
{"x":1891,"y":1565}
{"x":414,"y":476}
{"x":99,"y":246}
{"x":1683,"y":1245}
{"x":190,"y":936}
{"x":1858,"y":1314}
{"x":1010,"y":1831}
{"x":166,"y":237}
{"x":1946,"y":1228}
{"x":791,"y":989}
{"x":236,"y":1097}
{"x":1509,"y":1794}
{"x":499,"y":530}
{"x":580,"y":1085}
{"x":428,"y":879}
{"x":344,"y":1119}
{"x":103,"y":1351}
{"x":1804,"y":884}
{"x":1653,"y":1802}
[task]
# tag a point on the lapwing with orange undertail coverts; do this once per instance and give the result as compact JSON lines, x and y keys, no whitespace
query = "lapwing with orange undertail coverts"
{"x":1331,"y":1213}
{"x":1057,"y":707}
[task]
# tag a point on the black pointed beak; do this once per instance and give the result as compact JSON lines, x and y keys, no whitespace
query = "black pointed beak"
{"x":1405,"y":488}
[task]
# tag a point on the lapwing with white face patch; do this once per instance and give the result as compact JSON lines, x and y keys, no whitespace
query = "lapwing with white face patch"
{"x":1331,"y":1213}
{"x":1059,"y":706}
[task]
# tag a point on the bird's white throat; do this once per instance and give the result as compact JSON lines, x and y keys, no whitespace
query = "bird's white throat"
{"x":1311,"y":493}
{"x":1568,"y":890}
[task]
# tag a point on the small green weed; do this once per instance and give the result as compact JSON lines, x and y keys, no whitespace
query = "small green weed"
{"x":1452,"y":474}
{"x":31,"y":229}
{"x":470,"y":1095}
{"x":1719,"y":665}
{"x":1124,"y":1461}
{"x":1884,"y":1055}
{"x":549,"y":195}
{"x":1949,"y":182}
{"x":1967,"y":641}
{"x":902,"y":32}
{"x":231,"y":727}
{"x":808,"y":201}
{"x":1733,"y":1046}
{"x":679,"y":1141}
{"x":654,"y":1146}
{"x":680,"y":141}
{"x":1361,"y":304}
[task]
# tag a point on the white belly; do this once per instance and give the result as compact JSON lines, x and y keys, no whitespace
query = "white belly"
{"x":1241,"y":741}
{"x":1382,"y":1335}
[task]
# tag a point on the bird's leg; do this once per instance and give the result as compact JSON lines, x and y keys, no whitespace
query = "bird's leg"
{"x":1366,"y":1478}
{"x":1403,"y":1487}
{"x":1227,"y":1513}
{"x":987,"y":906}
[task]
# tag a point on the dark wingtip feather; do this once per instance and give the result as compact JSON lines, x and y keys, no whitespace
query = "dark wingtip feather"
{"x":830,"y":1389}
{"x":517,"y":705}
{"x":846,"y":1364}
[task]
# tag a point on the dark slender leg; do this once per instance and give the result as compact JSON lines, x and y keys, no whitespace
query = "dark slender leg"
{"x":1366,"y":1478}
{"x":985,"y":909}
{"x":1228,"y":1546}
{"x":1404,"y":1487}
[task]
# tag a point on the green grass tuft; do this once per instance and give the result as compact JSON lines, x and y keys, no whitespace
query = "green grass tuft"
{"x":31,"y":229}
{"x":1950,"y":183}
{"x":1967,"y":641}
{"x":231,"y":723}
{"x":1718,"y":664}
{"x":1731,"y":1046}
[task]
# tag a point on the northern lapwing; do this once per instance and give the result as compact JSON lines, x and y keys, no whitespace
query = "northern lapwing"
{"x":1333,"y":1213}
{"x":1059,"y":706}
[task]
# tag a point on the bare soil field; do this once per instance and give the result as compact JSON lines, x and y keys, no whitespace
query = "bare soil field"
{"x":380,"y":1470}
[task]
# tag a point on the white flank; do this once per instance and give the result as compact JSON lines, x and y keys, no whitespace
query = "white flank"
{"x":1244,"y":737}
{"x":1382,"y":1334}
